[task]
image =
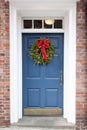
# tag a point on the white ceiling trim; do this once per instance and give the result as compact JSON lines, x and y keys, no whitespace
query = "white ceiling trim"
{"x":42,"y":7}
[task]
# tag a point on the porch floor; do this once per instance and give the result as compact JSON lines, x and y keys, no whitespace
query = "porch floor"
{"x":45,"y":122}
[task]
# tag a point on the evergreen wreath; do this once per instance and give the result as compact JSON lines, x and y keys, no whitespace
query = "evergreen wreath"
{"x":42,"y":51}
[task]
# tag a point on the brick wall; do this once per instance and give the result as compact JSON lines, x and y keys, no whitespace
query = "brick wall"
{"x":81,"y":89}
{"x":4,"y":64}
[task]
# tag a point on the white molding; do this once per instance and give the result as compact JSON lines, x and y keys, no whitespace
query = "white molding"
{"x":16,"y":62}
{"x":70,"y":66}
{"x":19,"y":65}
{"x":42,"y":30}
{"x":13,"y":66}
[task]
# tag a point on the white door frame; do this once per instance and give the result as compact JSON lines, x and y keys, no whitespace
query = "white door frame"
{"x":69,"y":63}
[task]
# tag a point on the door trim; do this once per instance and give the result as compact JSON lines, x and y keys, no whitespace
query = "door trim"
{"x":16,"y":64}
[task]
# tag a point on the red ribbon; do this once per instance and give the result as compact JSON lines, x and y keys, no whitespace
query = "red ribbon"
{"x":43,"y":44}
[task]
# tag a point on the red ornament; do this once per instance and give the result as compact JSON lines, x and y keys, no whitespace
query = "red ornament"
{"x":43,"y":44}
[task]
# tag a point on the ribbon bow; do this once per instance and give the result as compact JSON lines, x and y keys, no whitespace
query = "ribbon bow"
{"x":43,"y":44}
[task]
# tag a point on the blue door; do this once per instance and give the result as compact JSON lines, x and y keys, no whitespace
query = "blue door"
{"x":43,"y":84}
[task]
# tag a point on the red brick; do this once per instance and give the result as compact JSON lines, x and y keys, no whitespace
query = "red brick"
{"x":81,"y":66}
{"x":4,"y":64}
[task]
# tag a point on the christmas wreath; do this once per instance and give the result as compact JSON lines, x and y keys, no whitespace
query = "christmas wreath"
{"x":42,"y":51}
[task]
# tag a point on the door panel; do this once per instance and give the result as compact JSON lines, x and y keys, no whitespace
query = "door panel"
{"x":33,"y":102}
{"x":41,"y":83}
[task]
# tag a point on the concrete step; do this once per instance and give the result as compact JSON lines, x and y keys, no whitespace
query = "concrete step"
{"x":31,"y":128}
{"x":45,"y":123}
{"x":38,"y":128}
